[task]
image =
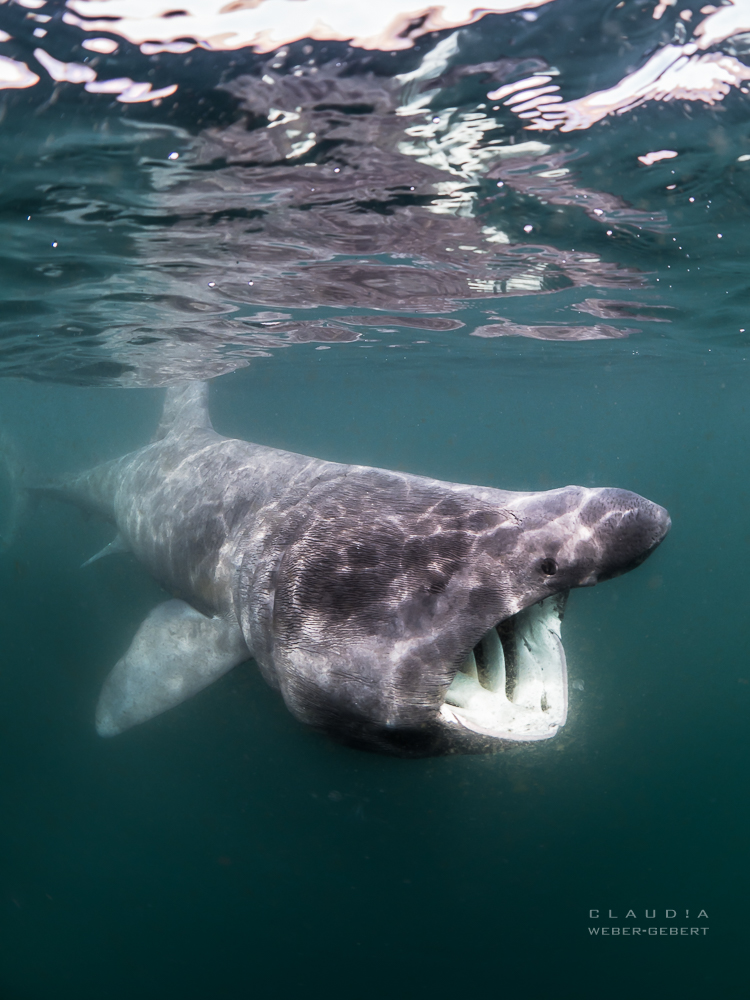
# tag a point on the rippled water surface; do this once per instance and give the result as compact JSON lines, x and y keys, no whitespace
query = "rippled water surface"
{"x":506,"y":249}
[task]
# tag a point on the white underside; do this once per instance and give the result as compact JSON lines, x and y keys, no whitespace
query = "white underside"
{"x":519,"y":692}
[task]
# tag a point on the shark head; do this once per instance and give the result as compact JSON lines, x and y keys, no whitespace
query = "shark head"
{"x":415,"y":617}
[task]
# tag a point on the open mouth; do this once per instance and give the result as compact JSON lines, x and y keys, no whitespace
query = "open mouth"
{"x":514,"y":683}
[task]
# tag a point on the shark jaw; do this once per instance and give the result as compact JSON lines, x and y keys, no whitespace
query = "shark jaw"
{"x":513,"y":685}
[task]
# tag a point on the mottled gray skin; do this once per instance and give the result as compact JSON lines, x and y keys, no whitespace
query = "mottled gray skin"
{"x":358,"y":591}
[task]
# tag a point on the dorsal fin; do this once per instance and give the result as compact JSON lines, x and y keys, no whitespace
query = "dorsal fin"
{"x":185,"y":409}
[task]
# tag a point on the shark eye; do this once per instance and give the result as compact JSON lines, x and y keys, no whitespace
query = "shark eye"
{"x":548,"y":567}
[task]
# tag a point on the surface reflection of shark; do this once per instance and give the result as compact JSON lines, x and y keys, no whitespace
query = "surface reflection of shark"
{"x":310,"y":184}
{"x":342,"y":189}
{"x":395,"y":612}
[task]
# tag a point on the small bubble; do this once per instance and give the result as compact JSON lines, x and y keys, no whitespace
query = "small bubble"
{"x":609,"y":232}
{"x":173,"y":156}
{"x":212,"y":284}
{"x":54,"y":244}
{"x":527,"y":229}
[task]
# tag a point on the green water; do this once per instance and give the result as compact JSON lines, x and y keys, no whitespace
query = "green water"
{"x":222,"y":850}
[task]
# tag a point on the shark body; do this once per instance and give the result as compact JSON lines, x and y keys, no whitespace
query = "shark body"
{"x":395,"y":612}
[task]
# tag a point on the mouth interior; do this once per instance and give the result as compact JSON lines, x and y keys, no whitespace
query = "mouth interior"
{"x":514,"y":682}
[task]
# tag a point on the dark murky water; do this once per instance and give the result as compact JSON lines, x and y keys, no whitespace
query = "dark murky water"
{"x":386,"y":266}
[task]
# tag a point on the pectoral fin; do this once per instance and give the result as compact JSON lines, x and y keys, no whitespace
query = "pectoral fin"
{"x":175,"y":653}
{"x":118,"y":544}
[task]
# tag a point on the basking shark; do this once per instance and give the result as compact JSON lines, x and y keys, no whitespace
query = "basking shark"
{"x":395,"y":612}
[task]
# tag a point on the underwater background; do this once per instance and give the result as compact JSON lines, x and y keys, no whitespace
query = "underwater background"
{"x":422,"y":277}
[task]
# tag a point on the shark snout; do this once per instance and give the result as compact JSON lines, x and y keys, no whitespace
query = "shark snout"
{"x":629,"y":527}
